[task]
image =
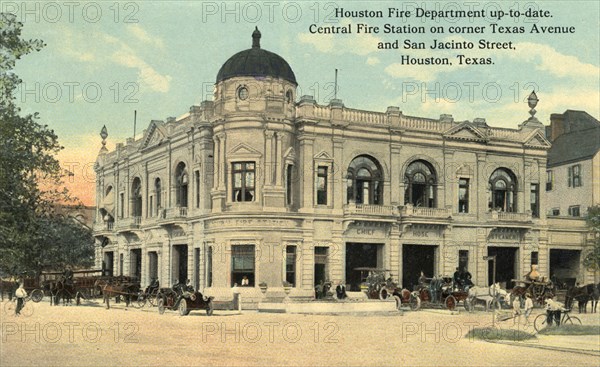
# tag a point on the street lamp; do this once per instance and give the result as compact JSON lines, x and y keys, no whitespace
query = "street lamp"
{"x":493,"y":258}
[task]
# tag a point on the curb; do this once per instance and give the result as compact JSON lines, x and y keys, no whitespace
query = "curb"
{"x":595,"y":353}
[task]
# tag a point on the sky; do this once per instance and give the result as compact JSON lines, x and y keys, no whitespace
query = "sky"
{"x":105,"y":60}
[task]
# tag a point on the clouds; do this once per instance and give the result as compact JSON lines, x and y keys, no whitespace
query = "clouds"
{"x":133,"y":51}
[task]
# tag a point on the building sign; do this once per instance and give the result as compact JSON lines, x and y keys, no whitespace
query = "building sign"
{"x":266,"y":223}
{"x":425,"y":231}
{"x":368,"y":230}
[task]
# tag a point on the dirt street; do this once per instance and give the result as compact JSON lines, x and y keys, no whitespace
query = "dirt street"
{"x":90,"y":335}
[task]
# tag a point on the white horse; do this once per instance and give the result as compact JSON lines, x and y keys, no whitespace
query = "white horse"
{"x":486,"y":294}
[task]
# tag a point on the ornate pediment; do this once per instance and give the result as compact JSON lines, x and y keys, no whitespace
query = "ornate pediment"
{"x":155,"y":135}
{"x":290,"y":154}
{"x":244,"y":150}
{"x":323,"y":155}
{"x":465,"y":131}
{"x":537,"y":140}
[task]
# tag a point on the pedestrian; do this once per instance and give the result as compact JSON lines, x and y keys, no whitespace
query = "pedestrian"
{"x":553,"y":311}
{"x":528,"y":307}
{"x":20,"y":293}
{"x":516,"y":310}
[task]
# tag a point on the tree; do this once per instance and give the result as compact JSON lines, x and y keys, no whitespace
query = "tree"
{"x":30,"y":174}
{"x":592,"y":258}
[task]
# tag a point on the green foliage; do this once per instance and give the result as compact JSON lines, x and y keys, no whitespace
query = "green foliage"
{"x":30,"y":175}
{"x":592,"y":257}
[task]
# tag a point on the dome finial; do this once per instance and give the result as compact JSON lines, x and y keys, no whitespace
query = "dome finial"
{"x":256,"y":38}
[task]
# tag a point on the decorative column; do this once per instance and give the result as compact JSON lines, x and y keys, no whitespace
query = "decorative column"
{"x":278,"y":162}
{"x":306,"y":154}
{"x":222,"y":162}
{"x":269,"y":157}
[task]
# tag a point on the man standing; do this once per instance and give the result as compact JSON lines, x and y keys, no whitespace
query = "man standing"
{"x":528,"y":307}
{"x":20,"y":293}
{"x":516,"y":305}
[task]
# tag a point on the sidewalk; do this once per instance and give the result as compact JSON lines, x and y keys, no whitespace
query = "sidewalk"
{"x":582,"y":344}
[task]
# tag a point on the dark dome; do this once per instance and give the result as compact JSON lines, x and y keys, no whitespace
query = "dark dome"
{"x":256,"y":62}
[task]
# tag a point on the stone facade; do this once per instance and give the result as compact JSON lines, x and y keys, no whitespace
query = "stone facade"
{"x":256,"y":187}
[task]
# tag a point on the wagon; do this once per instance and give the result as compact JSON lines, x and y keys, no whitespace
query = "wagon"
{"x":171,"y":300}
{"x":440,"y":293}
{"x":377,"y":286}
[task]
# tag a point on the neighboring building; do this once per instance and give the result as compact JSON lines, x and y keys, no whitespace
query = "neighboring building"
{"x":572,"y":186}
{"x":84,"y":215}
{"x":256,"y":185}
{"x":573,"y":175}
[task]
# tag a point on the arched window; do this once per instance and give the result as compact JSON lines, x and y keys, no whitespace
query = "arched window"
{"x":107,"y":206}
{"x":502,"y":189}
{"x":158,"y":189}
{"x":421,"y":181}
{"x":365,"y":181}
{"x":181,"y":182}
{"x":136,"y":197}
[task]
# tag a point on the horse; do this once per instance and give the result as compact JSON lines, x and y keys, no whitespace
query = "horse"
{"x":9,"y":287}
{"x":487,"y":294}
{"x":583,"y":295}
{"x":62,"y":289}
{"x":118,"y":290}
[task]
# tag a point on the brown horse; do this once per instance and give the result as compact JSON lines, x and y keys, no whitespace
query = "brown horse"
{"x":583,"y":295}
{"x":126,"y":290}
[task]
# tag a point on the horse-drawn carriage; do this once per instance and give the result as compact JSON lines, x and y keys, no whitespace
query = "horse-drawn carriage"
{"x":377,"y":286}
{"x":539,"y":290}
{"x":440,"y":292}
{"x":57,"y":286}
{"x":183,"y":301}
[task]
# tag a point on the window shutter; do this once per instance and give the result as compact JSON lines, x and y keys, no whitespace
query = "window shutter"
{"x":570,"y":179}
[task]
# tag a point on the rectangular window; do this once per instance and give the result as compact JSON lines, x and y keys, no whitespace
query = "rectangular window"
{"x":242,"y":264}
{"x":575,"y":176}
{"x":574,"y":211}
{"x":534,"y":257}
{"x":209,"y":272}
{"x":288,"y":184}
{"x":535,"y":200}
{"x":197,"y":188}
{"x":242,"y":176}
{"x":121,"y":205}
{"x":549,"y":180}
{"x":463,"y":260}
{"x":121,"y":264}
{"x":290,"y":265}
{"x":555,"y":211}
{"x":463,"y":195}
{"x":322,"y":185}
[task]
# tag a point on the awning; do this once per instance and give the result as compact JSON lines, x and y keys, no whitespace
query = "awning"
{"x":108,"y":204}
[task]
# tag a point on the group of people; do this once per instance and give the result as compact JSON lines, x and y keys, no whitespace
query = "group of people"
{"x":322,"y":290}
{"x":184,"y":290}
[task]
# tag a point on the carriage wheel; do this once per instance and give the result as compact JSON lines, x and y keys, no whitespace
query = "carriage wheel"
{"x":383,"y":293}
{"x":37,"y":295}
{"x":9,"y":307}
{"x":415,"y":302}
{"x":540,"y":322}
{"x":161,"y":306}
{"x":153,"y":297}
{"x":398,"y":302}
{"x":450,"y":303}
{"x":210,"y":308}
{"x":183,"y":309}
{"x":141,"y":299}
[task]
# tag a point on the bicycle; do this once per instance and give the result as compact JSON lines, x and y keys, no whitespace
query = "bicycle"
{"x":540,"y":321}
{"x":26,"y":311}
